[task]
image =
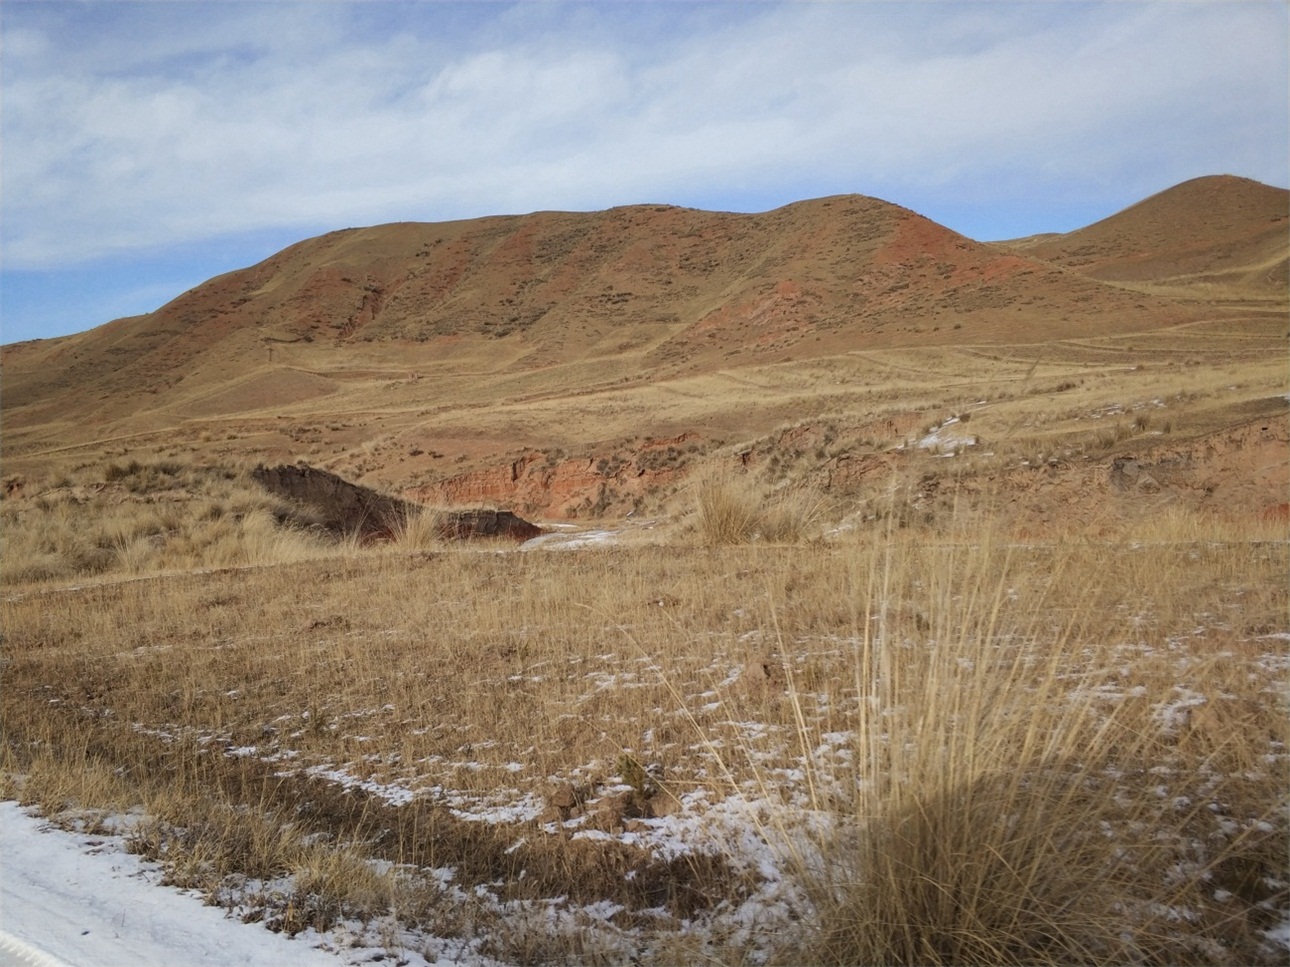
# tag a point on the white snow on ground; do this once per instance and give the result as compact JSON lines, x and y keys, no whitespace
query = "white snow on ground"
{"x":946,"y":440}
{"x":571,"y":541}
{"x":80,"y":900}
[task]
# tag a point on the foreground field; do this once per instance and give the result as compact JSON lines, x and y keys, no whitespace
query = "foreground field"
{"x":908,"y":746}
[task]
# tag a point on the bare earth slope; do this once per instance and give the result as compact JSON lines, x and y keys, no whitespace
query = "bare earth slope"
{"x":584,"y":364}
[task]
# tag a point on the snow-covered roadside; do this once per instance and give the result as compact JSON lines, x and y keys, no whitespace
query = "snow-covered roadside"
{"x":79,"y":900}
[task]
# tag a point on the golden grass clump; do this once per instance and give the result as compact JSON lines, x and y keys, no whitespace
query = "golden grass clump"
{"x":733,"y":510}
{"x":418,"y":530}
{"x":1003,"y":788}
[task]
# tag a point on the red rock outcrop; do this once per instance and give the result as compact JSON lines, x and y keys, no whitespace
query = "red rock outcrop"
{"x":537,"y":484}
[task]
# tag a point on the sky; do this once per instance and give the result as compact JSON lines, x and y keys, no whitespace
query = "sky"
{"x":149,"y":146}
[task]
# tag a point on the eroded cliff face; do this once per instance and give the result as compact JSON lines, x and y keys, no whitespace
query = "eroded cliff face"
{"x":348,"y":508}
{"x":541,"y":485}
{"x":1237,"y":472}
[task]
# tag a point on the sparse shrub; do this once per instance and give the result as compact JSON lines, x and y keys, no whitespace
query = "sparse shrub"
{"x":137,"y":556}
{"x":213,"y":511}
{"x":117,"y":471}
{"x":789,"y":516}
{"x":1109,"y":436}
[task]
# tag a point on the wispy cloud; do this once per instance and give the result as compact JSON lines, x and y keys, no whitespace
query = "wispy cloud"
{"x":134,"y":127}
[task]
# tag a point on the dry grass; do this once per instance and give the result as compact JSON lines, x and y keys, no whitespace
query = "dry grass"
{"x":137,"y":518}
{"x":735,"y":510}
{"x":962,"y":750}
{"x":377,"y":429}
{"x":418,"y":531}
{"x":1007,"y":826}
{"x":1005,"y":712}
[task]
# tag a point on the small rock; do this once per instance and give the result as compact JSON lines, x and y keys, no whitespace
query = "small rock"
{"x":663,"y":803}
{"x":762,"y":674}
{"x":564,"y":796}
{"x":612,"y":812}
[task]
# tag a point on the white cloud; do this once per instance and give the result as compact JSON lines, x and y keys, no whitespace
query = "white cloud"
{"x":133,"y":127}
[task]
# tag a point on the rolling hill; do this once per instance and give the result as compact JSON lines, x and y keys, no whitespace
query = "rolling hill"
{"x":1222,"y":232}
{"x":480,"y":360}
{"x":675,"y":289}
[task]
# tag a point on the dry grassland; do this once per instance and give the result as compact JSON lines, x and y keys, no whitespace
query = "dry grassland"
{"x":890,"y":674}
{"x":394,"y":419}
{"x":905,"y":745}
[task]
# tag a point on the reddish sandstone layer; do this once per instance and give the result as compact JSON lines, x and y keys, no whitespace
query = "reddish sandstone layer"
{"x":535,"y":485}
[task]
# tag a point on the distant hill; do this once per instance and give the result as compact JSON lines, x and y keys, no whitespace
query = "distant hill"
{"x":1219,"y":231}
{"x":670,"y":288}
{"x":565,"y":364}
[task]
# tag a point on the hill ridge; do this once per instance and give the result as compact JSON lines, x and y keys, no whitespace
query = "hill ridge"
{"x":507,"y":310}
{"x":1211,"y":230}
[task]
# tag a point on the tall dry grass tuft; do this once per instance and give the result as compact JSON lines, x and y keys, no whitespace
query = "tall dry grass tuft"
{"x":733,"y":510}
{"x":418,"y":530}
{"x":1001,"y":806}
{"x":727,"y":515}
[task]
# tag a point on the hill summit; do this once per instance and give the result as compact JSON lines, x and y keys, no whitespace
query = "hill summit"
{"x":1219,"y":231}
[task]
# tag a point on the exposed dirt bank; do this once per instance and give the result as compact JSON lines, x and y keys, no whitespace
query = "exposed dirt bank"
{"x":348,"y":508}
{"x":550,"y":486}
{"x":1239,"y":472}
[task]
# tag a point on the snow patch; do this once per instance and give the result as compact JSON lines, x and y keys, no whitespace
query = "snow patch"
{"x":945,"y":440}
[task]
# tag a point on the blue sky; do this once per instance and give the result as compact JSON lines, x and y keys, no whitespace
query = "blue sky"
{"x":149,"y":146}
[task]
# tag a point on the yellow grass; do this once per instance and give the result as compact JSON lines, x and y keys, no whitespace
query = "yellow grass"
{"x":139,"y":518}
{"x":920,"y":678}
{"x":999,"y":829}
{"x":962,"y":748}
{"x":735,"y":510}
{"x":1081,"y":396}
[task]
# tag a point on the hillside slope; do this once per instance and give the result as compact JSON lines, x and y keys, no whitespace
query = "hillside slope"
{"x":587,"y":364}
{"x":1219,"y":231}
{"x":672,"y":289}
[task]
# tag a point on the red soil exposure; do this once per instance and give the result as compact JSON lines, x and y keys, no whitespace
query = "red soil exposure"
{"x":770,"y":316}
{"x":917,"y":237}
{"x":537,"y":485}
{"x":699,"y":288}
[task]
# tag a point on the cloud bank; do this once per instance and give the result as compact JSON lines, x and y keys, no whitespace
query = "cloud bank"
{"x":133,"y":127}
